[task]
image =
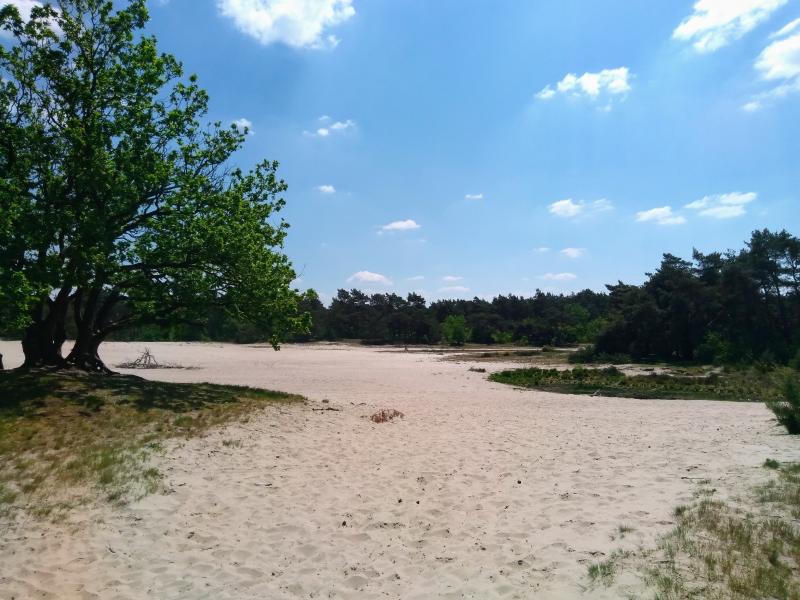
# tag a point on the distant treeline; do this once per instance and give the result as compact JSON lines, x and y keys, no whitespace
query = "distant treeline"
{"x":725,"y":307}
{"x":391,"y":319}
{"x":734,"y":306}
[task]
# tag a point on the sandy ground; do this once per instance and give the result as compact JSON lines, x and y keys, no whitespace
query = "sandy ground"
{"x":482,"y":491}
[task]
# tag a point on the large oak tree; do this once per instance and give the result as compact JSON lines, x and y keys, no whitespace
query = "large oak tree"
{"x":118,"y":205}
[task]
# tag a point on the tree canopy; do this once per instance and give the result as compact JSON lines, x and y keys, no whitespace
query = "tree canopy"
{"x":119,"y":206}
{"x":732,"y":306}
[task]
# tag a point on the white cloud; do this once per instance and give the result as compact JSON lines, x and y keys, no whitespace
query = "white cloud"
{"x":778,"y":64}
{"x":546,"y":93}
{"x":369,"y":277}
{"x":723,"y":206}
{"x":569,"y":208}
{"x":573,"y":252}
{"x":601,"y":205}
{"x":416,"y":278}
{"x":245,"y":124}
{"x":752,"y":106}
{"x":609,"y":82}
{"x":565,"y":208}
{"x":542,"y":249}
{"x":559,"y":276}
{"x":473,"y":196}
{"x":452,"y":278}
{"x":454,"y":289}
{"x":341,"y":126}
{"x":662,"y":216}
{"x":732,"y":198}
{"x":406,"y":225}
{"x":296,"y":23}
{"x":786,"y":29}
{"x":326,"y":189}
{"x":723,"y":212}
{"x":329,"y":129}
{"x":716,"y":23}
{"x":781,"y":59}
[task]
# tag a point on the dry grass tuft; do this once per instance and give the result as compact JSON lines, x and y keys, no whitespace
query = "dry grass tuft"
{"x":385,"y":415}
{"x":720,"y":550}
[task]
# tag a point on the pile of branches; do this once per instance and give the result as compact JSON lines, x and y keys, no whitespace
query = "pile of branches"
{"x":146,"y":361}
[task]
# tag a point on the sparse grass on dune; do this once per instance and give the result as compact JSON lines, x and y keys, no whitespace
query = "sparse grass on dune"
{"x":604,"y":571}
{"x":720,"y":550}
{"x":64,"y":436}
{"x":739,"y":385}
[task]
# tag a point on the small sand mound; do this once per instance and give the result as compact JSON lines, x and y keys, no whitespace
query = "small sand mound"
{"x":386,"y":414}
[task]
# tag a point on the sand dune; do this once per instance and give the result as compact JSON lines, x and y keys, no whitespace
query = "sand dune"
{"x":481,"y":491}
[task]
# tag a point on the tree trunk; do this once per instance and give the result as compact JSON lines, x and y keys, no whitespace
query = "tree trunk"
{"x":40,"y":348}
{"x":45,"y":337}
{"x":91,"y":321}
{"x":85,"y":354}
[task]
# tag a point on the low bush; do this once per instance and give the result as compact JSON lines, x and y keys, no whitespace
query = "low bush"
{"x":787,"y":408}
{"x":738,"y":385}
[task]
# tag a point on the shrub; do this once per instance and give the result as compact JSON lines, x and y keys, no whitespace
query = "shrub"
{"x":502,"y":337}
{"x":714,"y":349}
{"x":795,"y":362}
{"x":455,"y":330}
{"x":765,"y":363}
{"x":787,"y":410}
{"x":582,"y":355}
{"x":612,"y":371}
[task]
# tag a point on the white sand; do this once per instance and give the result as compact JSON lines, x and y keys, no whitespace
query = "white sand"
{"x":505,"y":493}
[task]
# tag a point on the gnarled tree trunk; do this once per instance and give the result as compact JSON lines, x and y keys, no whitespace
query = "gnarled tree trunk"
{"x":84,"y":354}
{"x":44,"y":338}
{"x":92,"y":322}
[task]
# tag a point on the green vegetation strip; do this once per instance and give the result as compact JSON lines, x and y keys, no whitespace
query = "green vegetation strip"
{"x":740,"y":385}
{"x":64,"y":436}
{"x":719,"y":550}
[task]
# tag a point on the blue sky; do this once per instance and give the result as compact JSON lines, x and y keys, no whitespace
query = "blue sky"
{"x":465,"y":147}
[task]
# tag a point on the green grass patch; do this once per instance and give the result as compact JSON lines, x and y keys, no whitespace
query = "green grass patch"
{"x":66,"y":437}
{"x":719,"y":550}
{"x":739,"y":385}
{"x":604,"y":571}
